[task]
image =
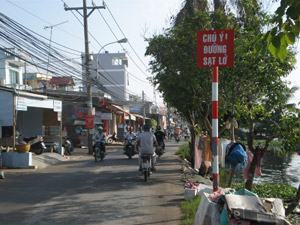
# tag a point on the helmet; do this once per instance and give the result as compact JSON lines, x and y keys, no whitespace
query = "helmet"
{"x":100,"y":128}
{"x":146,"y":127}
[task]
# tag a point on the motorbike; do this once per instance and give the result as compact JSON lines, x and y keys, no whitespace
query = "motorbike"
{"x":37,"y":144}
{"x":129,"y":149}
{"x":146,"y":165}
{"x":160,"y":149}
{"x":99,"y":150}
{"x":111,"y":138}
{"x":177,"y":137}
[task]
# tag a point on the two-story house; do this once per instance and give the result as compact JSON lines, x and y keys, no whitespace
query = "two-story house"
{"x":11,"y":69}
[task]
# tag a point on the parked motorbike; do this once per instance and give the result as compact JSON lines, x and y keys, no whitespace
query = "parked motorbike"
{"x":160,"y":149}
{"x":111,"y":138}
{"x":146,"y":165}
{"x":130,"y":148}
{"x":37,"y":144}
{"x":99,"y":150}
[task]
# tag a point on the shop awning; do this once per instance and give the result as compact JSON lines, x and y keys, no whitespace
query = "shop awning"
{"x":130,"y":116}
{"x":137,"y":115}
{"x":118,"y":109}
{"x":140,"y":116}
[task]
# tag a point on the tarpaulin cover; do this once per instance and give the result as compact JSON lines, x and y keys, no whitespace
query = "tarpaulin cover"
{"x":253,"y":208}
{"x":224,"y":218}
{"x":208,"y":212}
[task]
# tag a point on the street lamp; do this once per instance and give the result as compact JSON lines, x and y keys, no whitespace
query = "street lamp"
{"x":123,"y":40}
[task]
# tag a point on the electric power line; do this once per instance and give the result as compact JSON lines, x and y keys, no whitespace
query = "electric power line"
{"x":124,"y":35}
{"x":18,"y":36}
{"x":39,"y":18}
{"x":83,"y":25}
{"x":134,"y":62}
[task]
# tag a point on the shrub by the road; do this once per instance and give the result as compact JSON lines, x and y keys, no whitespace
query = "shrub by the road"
{"x":184,"y":152}
{"x":189,"y":209}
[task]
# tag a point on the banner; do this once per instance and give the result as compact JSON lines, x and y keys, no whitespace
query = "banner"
{"x":89,"y":122}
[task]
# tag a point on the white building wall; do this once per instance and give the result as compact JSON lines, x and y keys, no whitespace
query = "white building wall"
{"x":6,"y":108}
{"x":19,"y":70}
{"x":5,"y":65}
{"x":2,"y":72}
{"x":112,"y":67}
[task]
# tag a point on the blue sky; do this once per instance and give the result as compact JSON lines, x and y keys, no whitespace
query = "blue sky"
{"x":136,"y":18}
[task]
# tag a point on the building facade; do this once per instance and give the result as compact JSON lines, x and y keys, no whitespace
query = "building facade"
{"x":111,"y":73}
{"x":11,"y":69}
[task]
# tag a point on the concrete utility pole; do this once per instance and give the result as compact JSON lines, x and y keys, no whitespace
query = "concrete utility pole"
{"x":144,"y":111}
{"x":85,"y":16}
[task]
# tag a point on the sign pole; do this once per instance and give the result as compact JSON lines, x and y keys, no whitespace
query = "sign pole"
{"x":215,"y":123}
{"x":215,"y":48}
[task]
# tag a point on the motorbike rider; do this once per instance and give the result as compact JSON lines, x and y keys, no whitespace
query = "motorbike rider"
{"x":177,"y":132}
{"x":129,"y":136}
{"x":160,"y":136}
{"x":99,"y":137}
{"x":146,"y":142}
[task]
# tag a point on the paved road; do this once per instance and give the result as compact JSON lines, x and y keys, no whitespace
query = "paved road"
{"x":80,"y":191}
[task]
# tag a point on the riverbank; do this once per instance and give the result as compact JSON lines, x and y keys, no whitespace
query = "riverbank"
{"x":280,"y":169}
{"x":263,"y":190}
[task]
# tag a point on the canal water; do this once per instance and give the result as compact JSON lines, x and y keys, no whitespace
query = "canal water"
{"x":280,"y":169}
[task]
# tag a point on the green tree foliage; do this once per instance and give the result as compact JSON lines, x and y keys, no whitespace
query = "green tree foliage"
{"x":253,"y":90}
{"x":286,"y":28}
{"x":182,"y":84}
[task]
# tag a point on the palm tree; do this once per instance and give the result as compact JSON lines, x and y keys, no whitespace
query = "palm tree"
{"x":189,"y":8}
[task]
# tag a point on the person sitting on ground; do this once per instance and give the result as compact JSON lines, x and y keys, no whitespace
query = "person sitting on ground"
{"x":160,"y":137}
{"x":146,"y":142}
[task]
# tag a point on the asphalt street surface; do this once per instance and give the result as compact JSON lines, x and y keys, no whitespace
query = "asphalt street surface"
{"x":80,"y":191}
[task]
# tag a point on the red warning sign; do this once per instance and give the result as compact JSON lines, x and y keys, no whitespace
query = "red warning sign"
{"x":215,"y":48}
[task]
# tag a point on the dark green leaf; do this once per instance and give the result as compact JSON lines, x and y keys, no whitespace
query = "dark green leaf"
{"x":275,"y":40}
{"x":292,"y":12}
{"x":272,"y":49}
{"x":297,"y":26}
{"x":290,"y":38}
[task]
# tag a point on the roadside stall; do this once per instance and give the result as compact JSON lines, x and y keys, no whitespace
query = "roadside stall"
{"x":27,"y":115}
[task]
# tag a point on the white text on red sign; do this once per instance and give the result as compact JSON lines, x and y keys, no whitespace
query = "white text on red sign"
{"x":215,"y":48}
